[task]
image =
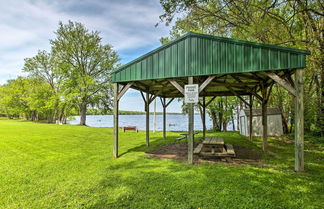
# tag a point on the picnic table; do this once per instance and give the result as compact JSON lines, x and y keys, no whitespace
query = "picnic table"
{"x":215,"y":147}
{"x":214,"y":144}
{"x":185,"y":135}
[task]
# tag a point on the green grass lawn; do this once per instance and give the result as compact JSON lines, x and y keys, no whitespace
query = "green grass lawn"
{"x":52,"y":166}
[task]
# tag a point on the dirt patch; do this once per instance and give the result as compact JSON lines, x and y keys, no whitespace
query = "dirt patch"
{"x":179,"y":151}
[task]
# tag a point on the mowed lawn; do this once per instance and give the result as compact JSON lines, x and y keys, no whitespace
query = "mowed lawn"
{"x":52,"y":166}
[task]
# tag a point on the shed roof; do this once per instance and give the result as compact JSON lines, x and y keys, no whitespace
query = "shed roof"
{"x":196,"y":54}
{"x":258,"y":112}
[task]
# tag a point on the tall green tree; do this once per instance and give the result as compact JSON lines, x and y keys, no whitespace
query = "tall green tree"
{"x":27,"y":97}
{"x":86,"y":64}
{"x":44,"y":66}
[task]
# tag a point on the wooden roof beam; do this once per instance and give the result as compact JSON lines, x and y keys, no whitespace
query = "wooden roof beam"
{"x":123,"y":90}
{"x":206,"y":82}
{"x":176,"y":85}
{"x":236,"y":94}
{"x":248,"y":88}
{"x":282,"y":82}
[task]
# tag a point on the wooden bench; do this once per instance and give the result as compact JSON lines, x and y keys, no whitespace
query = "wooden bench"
{"x":198,"y":148}
{"x":179,"y":138}
{"x":230,"y":149}
{"x":187,"y":134}
{"x":130,"y":128}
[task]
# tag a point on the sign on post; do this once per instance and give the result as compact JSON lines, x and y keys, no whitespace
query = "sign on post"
{"x":191,"y":93}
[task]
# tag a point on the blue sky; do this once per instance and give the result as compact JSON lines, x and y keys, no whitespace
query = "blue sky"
{"x":129,"y":25}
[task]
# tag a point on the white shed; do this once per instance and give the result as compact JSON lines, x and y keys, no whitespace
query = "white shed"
{"x":274,"y":122}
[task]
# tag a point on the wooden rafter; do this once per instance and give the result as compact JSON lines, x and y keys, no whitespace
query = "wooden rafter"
{"x":282,"y":82}
{"x":142,"y":85}
{"x":248,"y":88}
{"x":167,"y":104}
{"x":143,"y":96}
{"x":206,"y":82}
{"x":255,"y":75}
{"x":176,"y":85}
{"x":162,"y":101}
{"x":210,"y":101}
{"x":233,"y":84}
{"x":236,"y":94}
{"x":124,"y":89}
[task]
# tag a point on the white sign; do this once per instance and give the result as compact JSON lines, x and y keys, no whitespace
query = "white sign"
{"x":191,"y":93}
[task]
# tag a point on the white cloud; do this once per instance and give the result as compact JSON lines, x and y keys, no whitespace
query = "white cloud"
{"x":27,"y":26}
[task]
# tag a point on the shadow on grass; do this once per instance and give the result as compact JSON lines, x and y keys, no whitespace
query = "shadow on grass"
{"x":154,"y":142}
{"x":149,"y":183}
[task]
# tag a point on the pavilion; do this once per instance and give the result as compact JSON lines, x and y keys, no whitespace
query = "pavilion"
{"x":221,"y":67}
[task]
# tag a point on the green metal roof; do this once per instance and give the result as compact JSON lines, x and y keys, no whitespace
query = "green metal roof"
{"x":199,"y":55}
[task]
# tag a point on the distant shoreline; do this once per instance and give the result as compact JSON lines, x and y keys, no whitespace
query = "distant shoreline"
{"x":151,"y":113}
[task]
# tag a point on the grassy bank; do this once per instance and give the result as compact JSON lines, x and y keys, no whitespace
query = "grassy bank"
{"x":52,"y":166}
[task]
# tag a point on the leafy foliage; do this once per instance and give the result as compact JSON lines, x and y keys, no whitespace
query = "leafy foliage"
{"x":25,"y":97}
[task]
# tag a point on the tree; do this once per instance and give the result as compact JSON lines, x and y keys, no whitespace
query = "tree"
{"x":221,"y":111}
{"x":26,"y":97}
{"x":44,"y":66}
{"x":86,"y":65}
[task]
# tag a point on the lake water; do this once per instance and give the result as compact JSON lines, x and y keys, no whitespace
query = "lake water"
{"x":174,"y":122}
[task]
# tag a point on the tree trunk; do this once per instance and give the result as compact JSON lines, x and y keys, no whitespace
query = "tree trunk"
{"x":32,"y":115}
{"x":292,"y":121}
{"x":320,"y":121}
{"x":284,"y":124}
{"x":225,"y":125}
{"x":83,"y":113}
{"x":214,"y":120}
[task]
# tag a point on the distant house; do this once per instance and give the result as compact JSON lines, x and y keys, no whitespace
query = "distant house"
{"x":274,"y":122}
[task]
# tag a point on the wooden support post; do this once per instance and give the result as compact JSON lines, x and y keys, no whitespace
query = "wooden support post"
{"x":116,"y":104}
{"x":190,"y":127}
{"x":154,"y":116}
{"x":165,"y":105}
{"x":204,"y":117}
{"x":264,"y":119}
{"x":164,"y":118}
{"x":251,"y":117}
{"x":147,"y":109}
{"x":299,"y":121}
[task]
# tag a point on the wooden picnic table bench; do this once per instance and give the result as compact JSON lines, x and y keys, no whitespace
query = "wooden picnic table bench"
{"x":131,"y":128}
{"x":214,"y":141}
{"x":185,"y":135}
{"x":215,"y":147}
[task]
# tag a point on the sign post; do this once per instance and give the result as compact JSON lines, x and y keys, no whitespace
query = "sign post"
{"x":191,"y":94}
